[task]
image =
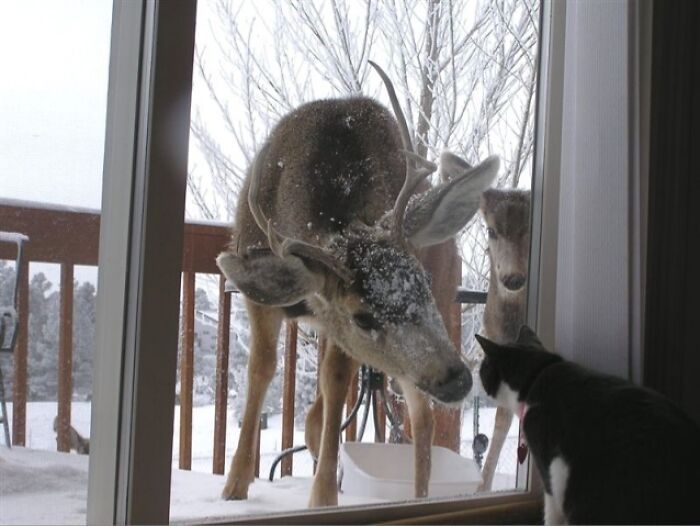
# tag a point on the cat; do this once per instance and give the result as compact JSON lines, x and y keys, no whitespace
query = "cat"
{"x":607,"y":450}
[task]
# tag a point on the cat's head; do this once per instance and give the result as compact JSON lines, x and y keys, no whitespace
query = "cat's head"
{"x":509,"y":369}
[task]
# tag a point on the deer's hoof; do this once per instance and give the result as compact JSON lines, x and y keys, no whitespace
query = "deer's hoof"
{"x":323,"y":500}
{"x":236,"y":490}
{"x":324,"y":491}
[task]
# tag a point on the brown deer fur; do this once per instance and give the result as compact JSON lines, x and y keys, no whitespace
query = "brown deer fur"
{"x":507,"y":216}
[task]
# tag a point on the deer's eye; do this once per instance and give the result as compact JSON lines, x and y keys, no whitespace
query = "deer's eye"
{"x":492,"y":233}
{"x":365,"y":321}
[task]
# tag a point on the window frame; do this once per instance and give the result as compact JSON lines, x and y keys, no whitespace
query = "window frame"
{"x":137,"y":319}
{"x":142,"y":223}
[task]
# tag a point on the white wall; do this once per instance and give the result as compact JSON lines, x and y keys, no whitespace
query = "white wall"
{"x":597,"y":284}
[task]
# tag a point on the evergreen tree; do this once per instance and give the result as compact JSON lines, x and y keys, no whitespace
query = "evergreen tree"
{"x":201,"y":300}
{"x":7,"y":282}
{"x":84,"y":315}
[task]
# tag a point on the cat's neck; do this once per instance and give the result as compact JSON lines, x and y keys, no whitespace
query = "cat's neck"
{"x":515,"y":400}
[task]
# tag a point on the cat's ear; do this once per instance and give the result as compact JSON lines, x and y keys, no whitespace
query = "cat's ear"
{"x":528,"y":338}
{"x":487,"y":345}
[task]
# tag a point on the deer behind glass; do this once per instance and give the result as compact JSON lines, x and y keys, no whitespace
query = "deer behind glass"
{"x":507,"y":216}
{"x":327,"y":230}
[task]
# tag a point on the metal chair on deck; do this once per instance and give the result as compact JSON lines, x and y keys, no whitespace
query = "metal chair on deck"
{"x":9,"y":323}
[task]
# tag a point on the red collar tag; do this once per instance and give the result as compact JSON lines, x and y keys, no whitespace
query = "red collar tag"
{"x":522,"y":443}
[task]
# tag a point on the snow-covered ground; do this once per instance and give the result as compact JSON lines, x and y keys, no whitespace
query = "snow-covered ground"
{"x":59,"y":481}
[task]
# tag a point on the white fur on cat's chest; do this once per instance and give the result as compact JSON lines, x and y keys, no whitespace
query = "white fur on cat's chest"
{"x":507,"y":397}
{"x":554,"y":503}
{"x":558,"y":468}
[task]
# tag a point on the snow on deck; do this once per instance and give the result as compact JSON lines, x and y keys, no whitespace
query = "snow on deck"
{"x":58,"y":481}
{"x":13,"y":237}
{"x":46,"y":487}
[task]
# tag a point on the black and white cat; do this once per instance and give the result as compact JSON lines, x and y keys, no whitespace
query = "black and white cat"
{"x":607,"y":450}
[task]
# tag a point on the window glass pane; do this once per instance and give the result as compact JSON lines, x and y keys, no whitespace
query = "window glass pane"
{"x":465,"y":76}
{"x":53,"y":91}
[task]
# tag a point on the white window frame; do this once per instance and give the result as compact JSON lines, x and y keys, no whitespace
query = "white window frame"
{"x":140,"y":260}
{"x":142,"y":222}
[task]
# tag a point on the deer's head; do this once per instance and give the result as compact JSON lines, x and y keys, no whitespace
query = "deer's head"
{"x":507,"y":216}
{"x":364,"y":285}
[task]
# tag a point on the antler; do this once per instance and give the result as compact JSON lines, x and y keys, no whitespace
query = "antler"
{"x":414,"y":175}
{"x":280,"y":245}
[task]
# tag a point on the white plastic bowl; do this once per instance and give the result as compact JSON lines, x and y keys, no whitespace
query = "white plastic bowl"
{"x":386,"y":471}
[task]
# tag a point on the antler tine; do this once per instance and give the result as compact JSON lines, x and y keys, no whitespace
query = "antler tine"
{"x":425,"y":163}
{"x":413,"y":176}
{"x":254,"y":190}
{"x":281,"y":245}
{"x":398,"y":112}
{"x":296,"y":247}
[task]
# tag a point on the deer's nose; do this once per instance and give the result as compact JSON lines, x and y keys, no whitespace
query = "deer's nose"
{"x":513,"y":282}
{"x":454,"y":386}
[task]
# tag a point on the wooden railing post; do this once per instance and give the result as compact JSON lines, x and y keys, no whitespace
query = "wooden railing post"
{"x":351,"y":400}
{"x":187,"y":370}
{"x":445,"y":268}
{"x":221,"y":402}
{"x":65,"y":358}
{"x":257,"y":452}
{"x":380,"y":432}
{"x":19,"y":384}
{"x":42,"y":225}
{"x":290,"y":368}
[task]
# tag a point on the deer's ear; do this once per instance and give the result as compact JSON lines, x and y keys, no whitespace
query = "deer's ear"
{"x":452,"y":166}
{"x":268,"y":279}
{"x":438,"y":214}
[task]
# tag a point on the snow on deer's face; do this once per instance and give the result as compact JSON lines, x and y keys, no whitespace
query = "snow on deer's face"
{"x":387,"y":318}
{"x":507,"y":215}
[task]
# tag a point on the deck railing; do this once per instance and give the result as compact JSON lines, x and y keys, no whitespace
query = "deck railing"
{"x":70,"y":237}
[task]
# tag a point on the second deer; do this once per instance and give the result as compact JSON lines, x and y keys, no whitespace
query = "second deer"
{"x":507,"y":216}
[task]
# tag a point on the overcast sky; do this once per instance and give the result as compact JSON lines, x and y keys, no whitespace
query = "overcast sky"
{"x":53,"y":88}
{"x":54,"y":68}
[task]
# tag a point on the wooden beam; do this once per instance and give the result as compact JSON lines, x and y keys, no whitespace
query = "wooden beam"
{"x":290,"y":367}
{"x":19,"y":384}
{"x":65,"y":358}
{"x":202,"y":241}
{"x":380,"y":433}
{"x":351,"y":430}
{"x":221,"y":401}
{"x":445,"y":267}
{"x":187,"y":370}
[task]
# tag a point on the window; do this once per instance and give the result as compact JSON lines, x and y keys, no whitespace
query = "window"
{"x":53,"y":110}
{"x":470,"y":89}
{"x":143,"y":238}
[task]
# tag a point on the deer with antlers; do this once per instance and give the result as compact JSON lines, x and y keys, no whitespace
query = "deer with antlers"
{"x":326,"y":230}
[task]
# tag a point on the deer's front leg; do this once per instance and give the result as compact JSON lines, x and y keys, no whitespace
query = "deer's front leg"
{"x":313,"y":427}
{"x":336,"y":370}
{"x":264,"y":328}
{"x":422,"y":430}
{"x":504,"y":418}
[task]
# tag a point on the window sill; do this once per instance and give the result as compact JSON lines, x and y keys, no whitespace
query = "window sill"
{"x":498,"y":508}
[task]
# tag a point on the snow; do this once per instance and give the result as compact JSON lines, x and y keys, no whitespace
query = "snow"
{"x":391,"y":282}
{"x":24,"y":203}
{"x":13,"y":237}
{"x":59,"y":480}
